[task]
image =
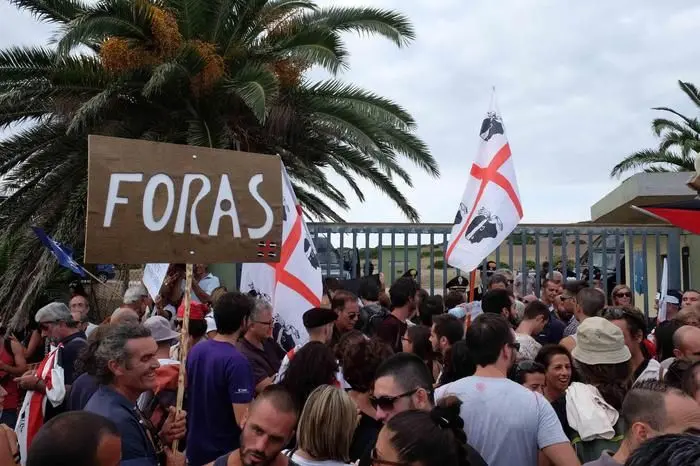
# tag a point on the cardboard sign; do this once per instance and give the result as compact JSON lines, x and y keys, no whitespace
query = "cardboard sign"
{"x":165,"y":203}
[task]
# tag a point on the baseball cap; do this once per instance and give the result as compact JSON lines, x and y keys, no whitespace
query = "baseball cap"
{"x":318,"y":317}
{"x":160,"y":329}
{"x":599,"y":341}
{"x":54,"y":312}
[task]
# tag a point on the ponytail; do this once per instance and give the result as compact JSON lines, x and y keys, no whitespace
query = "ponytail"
{"x":434,"y":438}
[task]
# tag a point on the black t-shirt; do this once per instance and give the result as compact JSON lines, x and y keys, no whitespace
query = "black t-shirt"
{"x":365,"y":437}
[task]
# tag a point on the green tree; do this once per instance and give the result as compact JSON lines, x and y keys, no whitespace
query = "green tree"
{"x":679,"y":141}
{"x":227,"y":74}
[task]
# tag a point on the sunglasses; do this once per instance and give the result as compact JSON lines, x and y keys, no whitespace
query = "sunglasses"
{"x":386,"y":403}
{"x":624,"y":294}
{"x":373,"y":459}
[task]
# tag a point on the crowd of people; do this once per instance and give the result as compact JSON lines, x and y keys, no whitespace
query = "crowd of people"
{"x":388,"y":377}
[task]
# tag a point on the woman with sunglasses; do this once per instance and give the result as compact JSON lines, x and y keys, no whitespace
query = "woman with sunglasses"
{"x":417,"y":341}
{"x":622,"y":296}
{"x":325,"y":429}
{"x":423,"y":438}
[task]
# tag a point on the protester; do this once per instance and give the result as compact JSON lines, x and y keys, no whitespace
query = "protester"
{"x":445,"y":332}
{"x":136,"y":299}
{"x":203,"y":284}
{"x":124,"y":315}
{"x":423,"y":438}
{"x":663,"y":335}
{"x":48,"y":385}
{"x":344,"y":303}
{"x":673,"y":303}
{"x":651,"y":409}
{"x":418,"y":341}
{"x":558,"y":366}
{"x":263,"y":353}
{"x":266,"y":428}
{"x":156,"y":402}
{"x":314,"y":365}
{"x":529,"y":374}
{"x":633,"y":325}
{"x":458,"y":364}
{"x":691,"y":381}
{"x":318,"y":323}
{"x":430,"y":307}
{"x":325,"y":430}
{"x":12,"y":365}
{"x":675,"y":374}
{"x":553,"y":332}
{"x":79,"y":304}
{"x":498,"y":301}
{"x":85,"y":384}
{"x":454,"y":298}
{"x":78,"y":438}
{"x":567,"y":309}
{"x":589,"y":303}
{"x":535,"y":318}
{"x":689,"y":315}
{"x":219,"y":384}
{"x":667,"y":450}
{"x":196,"y":328}
{"x":603,"y":365}
{"x":402,"y":294}
{"x":360,"y":362}
{"x":516,"y":416}
{"x":686,"y":343}
{"x":689,"y":298}
{"x":126,"y":364}
{"x":371,"y":313}
{"x":622,"y":296}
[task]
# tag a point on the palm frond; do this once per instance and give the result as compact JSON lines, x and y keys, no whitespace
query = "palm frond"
{"x":314,"y":206}
{"x":691,"y":91}
{"x":51,"y":11}
{"x":256,"y":86}
{"x":314,"y":46}
{"x":365,"y":21}
{"x":647,"y":158}
{"x":25,"y":63}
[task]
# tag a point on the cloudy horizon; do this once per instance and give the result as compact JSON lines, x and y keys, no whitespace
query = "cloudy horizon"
{"x":575,"y":81}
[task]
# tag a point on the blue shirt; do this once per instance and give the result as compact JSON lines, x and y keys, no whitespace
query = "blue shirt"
{"x":218,"y":376}
{"x":137,"y":448}
{"x":553,"y":332}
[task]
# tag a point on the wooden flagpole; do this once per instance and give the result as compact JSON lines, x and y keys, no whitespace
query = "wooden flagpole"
{"x":184,"y":340}
{"x":472,"y":279}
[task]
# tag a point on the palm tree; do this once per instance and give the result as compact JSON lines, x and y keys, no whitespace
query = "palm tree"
{"x":680,"y":141}
{"x":226,"y":74}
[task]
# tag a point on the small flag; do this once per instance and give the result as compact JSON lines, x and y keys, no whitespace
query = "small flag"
{"x":490,"y":208}
{"x":663,"y":295}
{"x":62,"y":253}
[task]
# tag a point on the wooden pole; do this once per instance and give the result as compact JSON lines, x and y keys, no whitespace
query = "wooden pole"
{"x":472,"y":279}
{"x":184,"y":340}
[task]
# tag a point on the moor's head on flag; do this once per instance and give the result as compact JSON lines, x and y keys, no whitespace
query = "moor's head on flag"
{"x":490,"y":207}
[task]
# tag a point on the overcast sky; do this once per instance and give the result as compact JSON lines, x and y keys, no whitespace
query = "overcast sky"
{"x":575,"y":83}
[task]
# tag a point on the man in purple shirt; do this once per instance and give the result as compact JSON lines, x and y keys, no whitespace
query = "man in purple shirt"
{"x":220,"y":384}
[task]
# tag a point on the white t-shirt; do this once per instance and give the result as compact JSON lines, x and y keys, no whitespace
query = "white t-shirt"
{"x":208,"y":284}
{"x":505,"y":422}
{"x":306,"y":462}
{"x":528,"y":347}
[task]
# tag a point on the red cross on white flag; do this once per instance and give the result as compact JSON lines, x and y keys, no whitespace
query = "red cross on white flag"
{"x":294,"y":284}
{"x":490,"y":208}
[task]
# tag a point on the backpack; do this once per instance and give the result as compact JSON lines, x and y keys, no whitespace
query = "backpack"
{"x":154,"y":404}
{"x":592,"y":449}
{"x":372,"y":317}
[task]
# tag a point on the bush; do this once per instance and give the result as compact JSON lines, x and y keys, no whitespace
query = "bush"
{"x":439,"y":264}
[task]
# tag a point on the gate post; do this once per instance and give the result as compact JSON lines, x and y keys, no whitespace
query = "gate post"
{"x":674,"y":259}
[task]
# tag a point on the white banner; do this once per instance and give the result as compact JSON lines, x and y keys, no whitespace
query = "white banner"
{"x":490,"y":208}
{"x":153,"y":276}
{"x":294,"y":285}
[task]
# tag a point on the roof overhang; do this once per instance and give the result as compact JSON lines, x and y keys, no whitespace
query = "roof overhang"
{"x":642,"y":189}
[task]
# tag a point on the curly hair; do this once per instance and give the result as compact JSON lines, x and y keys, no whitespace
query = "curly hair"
{"x":612,"y":380}
{"x":361,"y":360}
{"x":86,"y":361}
{"x":312,"y":366}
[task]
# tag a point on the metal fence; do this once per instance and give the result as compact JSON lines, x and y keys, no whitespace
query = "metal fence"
{"x":618,"y":254}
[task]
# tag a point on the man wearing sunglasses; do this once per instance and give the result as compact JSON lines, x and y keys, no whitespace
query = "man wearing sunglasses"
{"x":258,"y":346}
{"x":498,"y":412}
{"x":402,"y":382}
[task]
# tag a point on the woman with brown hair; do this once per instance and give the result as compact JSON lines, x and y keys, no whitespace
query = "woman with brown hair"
{"x":360,"y":361}
{"x":622,"y":296}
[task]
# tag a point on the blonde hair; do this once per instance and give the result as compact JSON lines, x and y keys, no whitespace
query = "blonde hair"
{"x":327,"y":424}
{"x":617,"y":289}
{"x":689,"y":315}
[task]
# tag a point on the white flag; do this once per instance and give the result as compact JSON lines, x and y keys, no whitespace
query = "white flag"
{"x":153,"y":276}
{"x":662,"y":296}
{"x":490,"y":208}
{"x":294,"y":285}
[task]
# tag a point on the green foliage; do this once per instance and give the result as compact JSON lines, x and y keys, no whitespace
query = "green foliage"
{"x":531,"y":264}
{"x":439,"y":264}
{"x":679,"y":141}
{"x":229,"y":74}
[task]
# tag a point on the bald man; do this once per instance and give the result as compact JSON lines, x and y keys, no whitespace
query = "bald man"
{"x":124,"y":315}
{"x":686,"y":343}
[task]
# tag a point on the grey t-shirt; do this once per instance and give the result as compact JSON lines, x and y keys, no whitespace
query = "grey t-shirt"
{"x":604,"y":460}
{"x":505,"y":422}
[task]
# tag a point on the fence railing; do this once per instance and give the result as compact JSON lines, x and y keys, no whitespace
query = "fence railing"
{"x":618,"y":254}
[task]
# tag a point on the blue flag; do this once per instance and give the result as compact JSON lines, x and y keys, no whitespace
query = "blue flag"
{"x":63,"y":254}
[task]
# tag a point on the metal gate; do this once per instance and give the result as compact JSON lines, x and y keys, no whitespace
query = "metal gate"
{"x":615,"y":254}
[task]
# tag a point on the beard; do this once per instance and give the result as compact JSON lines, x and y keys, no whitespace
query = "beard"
{"x":252,"y":457}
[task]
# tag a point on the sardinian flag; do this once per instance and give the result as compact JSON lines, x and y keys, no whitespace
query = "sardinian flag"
{"x":294,"y":284}
{"x":490,"y":208}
